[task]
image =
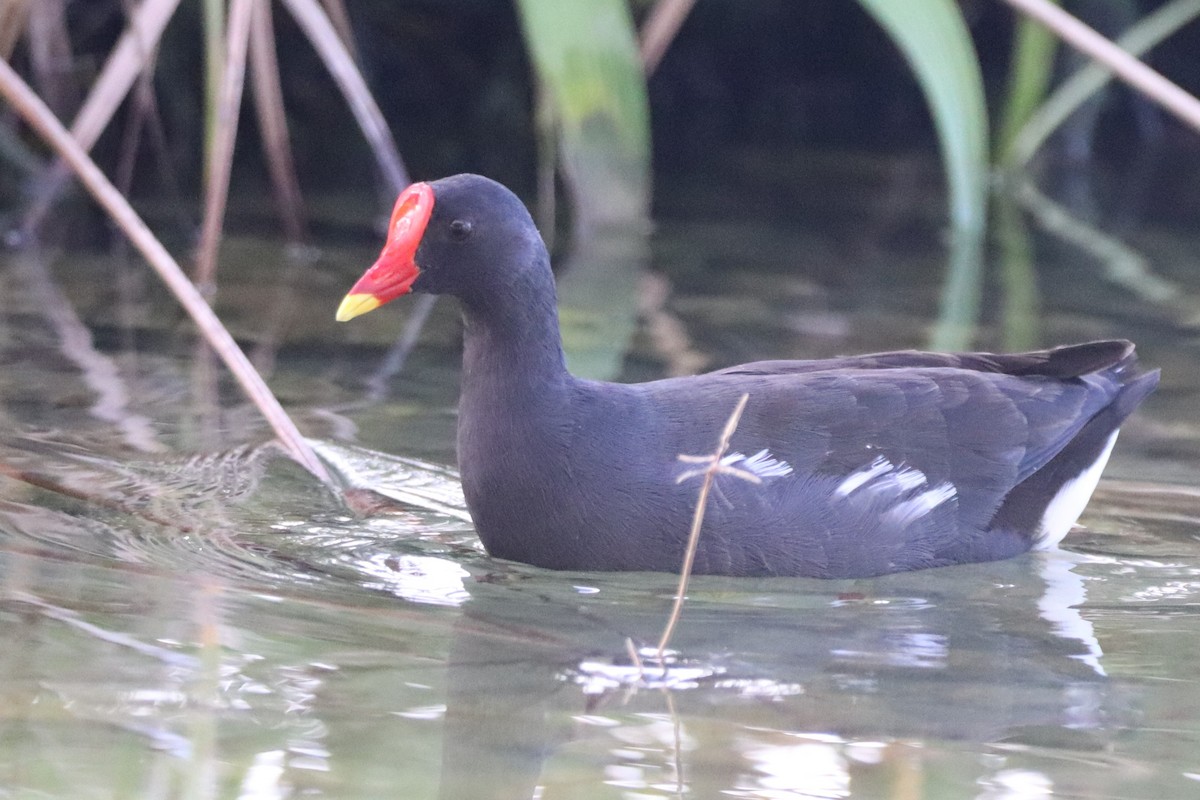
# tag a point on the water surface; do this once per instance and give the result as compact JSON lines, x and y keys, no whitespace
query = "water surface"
{"x":187,"y":614}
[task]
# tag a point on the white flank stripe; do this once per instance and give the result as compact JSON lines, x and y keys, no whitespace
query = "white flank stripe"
{"x":1068,"y":504}
{"x":765,"y":465}
{"x":903,"y":479}
{"x":856,"y":479}
{"x":916,"y":507}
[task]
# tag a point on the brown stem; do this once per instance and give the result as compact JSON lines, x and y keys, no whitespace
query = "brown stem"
{"x":329,"y":46}
{"x":50,"y":54}
{"x":272,"y":123}
{"x":659,"y":31}
{"x":220,"y":163}
{"x":34,"y":111}
{"x":124,"y":64}
{"x":340,"y":19}
{"x":1129,"y":69}
{"x":14,"y":15}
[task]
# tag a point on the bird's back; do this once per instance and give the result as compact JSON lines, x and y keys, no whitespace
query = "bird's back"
{"x":865,"y":466}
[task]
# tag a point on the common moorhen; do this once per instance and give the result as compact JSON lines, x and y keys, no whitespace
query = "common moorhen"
{"x":867,"y":465}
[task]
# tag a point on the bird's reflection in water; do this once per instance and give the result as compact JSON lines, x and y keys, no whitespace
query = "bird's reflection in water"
{"x":773,"y":685}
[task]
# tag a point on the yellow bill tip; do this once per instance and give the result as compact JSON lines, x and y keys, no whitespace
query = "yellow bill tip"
{"x":354,"y":305}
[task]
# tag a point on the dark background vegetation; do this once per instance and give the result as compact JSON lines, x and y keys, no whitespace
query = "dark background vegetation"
{"x":454,"y":81}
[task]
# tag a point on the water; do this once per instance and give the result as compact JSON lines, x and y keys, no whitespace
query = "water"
{"x":186,"y":614}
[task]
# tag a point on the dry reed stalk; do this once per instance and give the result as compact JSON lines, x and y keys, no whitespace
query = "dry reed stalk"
{"x":272,"y":123}
{"x":340,"y":62}
{"x":98,"y":371}
{"x":329,"y":46}
{"x":1134,"y":72}
{"x":144,"y":118}
{"x":660,"y":29}
{"x":124,"y":64}
{"x":219,"y":164}
{"x":50,"y":56}
{"x":38,"y":116}
{"x":14,"y":16}
{"x":398,"y":353}
{"x":339,"y":17}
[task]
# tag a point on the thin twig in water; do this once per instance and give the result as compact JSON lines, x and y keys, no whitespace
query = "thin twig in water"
{"x":635,"y":658}
{"x":321,"y":28}
{"x":713,"y":467}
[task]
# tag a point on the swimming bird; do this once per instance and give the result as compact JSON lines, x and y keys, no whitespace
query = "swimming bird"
{"x":861,"y":466}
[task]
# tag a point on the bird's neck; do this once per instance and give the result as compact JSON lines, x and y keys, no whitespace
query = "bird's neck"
{"x":512,"y":344}
{"x":514,"y":410}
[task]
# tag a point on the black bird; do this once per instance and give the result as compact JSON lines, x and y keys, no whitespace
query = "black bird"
{"x":866,"y":465}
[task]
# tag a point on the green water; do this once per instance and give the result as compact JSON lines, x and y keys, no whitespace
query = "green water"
{"x":186,"y":614}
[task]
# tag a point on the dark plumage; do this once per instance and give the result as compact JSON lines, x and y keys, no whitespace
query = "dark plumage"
{"x":870,"y":464}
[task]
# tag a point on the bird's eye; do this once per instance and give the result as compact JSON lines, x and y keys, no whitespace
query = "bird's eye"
{"x":460,"y":229}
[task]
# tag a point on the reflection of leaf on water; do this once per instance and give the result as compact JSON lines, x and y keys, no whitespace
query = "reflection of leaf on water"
{"x":934,"y":39}
{"x":1018,"y":277}
{"x":1123,"y":265}
{"x":588,"y":65}
{"x":599,"y":300}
